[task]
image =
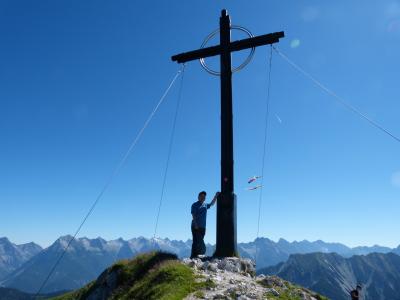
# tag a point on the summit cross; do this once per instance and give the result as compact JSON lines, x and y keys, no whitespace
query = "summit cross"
{"x":226,"y":204}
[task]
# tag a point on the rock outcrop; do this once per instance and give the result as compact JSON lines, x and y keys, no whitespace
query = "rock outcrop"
{"x":234,"y":278}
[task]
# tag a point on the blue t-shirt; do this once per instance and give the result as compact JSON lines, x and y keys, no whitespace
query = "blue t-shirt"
{"x":199,"y":212}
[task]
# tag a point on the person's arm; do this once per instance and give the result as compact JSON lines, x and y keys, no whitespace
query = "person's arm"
{"x":194,"y":221}
{"x":214,"y":199}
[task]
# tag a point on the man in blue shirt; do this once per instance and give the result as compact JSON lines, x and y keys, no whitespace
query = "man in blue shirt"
{"x":199,"y":214}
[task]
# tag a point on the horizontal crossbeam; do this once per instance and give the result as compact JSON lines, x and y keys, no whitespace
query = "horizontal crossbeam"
{"x":260,"y":40}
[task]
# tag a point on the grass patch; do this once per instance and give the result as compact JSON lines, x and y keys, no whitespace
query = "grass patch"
{"x":79,"y":294}
{"x":154,"y":275}
{"x":199,"y":294}
{"x":172,"y":280}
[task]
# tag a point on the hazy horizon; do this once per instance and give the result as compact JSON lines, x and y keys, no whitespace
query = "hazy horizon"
{"x":189,"y":238}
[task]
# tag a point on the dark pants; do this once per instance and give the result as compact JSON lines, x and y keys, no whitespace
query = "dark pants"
{"x":198,"y":246}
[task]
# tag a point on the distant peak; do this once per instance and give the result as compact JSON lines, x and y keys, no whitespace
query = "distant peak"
{"x":4,"y":239}
{"x":260,"y":239}
{"x":64,"y":238}
{"x":283,"y":241}
{"x":67,"y":236}
{"x":30,"y":244}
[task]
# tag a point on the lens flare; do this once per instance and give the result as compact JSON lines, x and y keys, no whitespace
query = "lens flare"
{"x":295,"y":43}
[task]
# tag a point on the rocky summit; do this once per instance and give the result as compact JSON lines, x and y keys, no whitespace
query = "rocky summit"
{"x":162,"y":276}
{"x":234,"y":278}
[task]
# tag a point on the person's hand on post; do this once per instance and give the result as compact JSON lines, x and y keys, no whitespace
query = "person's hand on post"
{"x":215,"y":198}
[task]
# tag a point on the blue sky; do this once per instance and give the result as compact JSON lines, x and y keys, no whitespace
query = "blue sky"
{"x":78,"y":80}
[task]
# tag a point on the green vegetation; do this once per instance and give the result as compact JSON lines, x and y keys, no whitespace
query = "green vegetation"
{"x":80,"y":294}
{"x":290,"y":291}
{"x":199,"y":294}
{"x":155,"y":275}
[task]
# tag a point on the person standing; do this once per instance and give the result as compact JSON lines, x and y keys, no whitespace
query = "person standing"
{"x":199,"y":219}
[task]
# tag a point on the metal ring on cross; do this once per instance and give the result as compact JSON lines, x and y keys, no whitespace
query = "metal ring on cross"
{"x":247,"y":60}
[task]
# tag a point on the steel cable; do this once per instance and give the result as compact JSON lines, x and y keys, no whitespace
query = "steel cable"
{"x":169,"y":151}
{"x":111,"y":178}
{"x":336,"y":96}
{"x":264,"y":152}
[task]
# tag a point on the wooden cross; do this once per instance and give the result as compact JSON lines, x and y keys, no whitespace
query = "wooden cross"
{"x":226,"y":204}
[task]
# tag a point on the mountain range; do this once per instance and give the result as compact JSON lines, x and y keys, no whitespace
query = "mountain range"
{"x":271,"y":253}
{"x":12,"y":256}
{"x":84,"y":260}
{"x":87,"y":258}
{"x":334,"y":276}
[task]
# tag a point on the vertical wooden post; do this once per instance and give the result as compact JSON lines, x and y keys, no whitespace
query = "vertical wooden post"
{"x":226,"y":204}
